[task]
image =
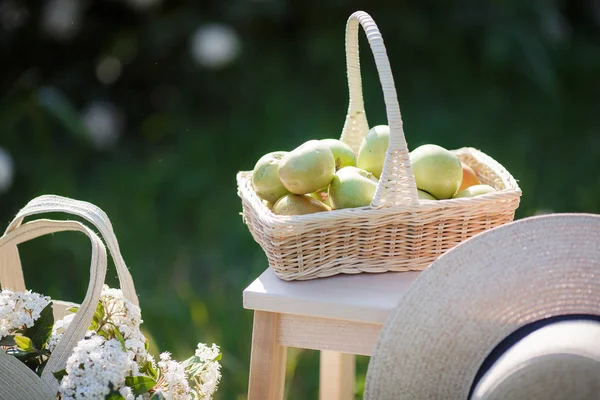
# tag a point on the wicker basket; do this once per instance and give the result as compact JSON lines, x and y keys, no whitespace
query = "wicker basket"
{"x":397,"y":232}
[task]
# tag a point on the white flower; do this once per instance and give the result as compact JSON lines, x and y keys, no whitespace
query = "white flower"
{"x":93,"y":368}
{"x":19,"y":309}
{"x":210,"y":377}
{"x":206,"y":353}
{"x":214,"y":45}
{"x":127,"y":318}
{"x":205,"y":370}
{"x":58,"y":329}
{"x":7,"y":170}
{"x":173,"y":381}
{"x":127,"y":393}
{"x":123,"y":311}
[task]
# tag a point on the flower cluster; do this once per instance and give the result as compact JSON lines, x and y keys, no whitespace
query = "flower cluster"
{"x":19,"y":310}
{"x":126,"y":318}
{"x":173,"y":383}
{"x":96,"y":367}
{"x":208,"y":371}
{"x":57,"y":331}
{"x":112,"y":360}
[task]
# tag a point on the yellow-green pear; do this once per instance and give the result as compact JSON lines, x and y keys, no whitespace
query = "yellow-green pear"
{"x":268,"y":204}
{"x":342,"y":153}
{"x":352,"y":187}
{"x":265,"y":177}
{"x":296,"y":204}
{"x":423,"y":195}
{"x":372,"y":151}
{"x":437,"y":171}
{"x":322,"y":196}
{"x":307,"y":168}
{"x":475,"y":190}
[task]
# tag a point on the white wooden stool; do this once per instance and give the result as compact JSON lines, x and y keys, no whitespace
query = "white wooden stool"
{"x":340,"y":315}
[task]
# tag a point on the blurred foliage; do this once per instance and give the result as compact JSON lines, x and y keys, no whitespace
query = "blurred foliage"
{"x":519,"y":80}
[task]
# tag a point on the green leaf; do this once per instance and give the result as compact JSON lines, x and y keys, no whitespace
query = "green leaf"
{"x":140,"y":384}
{"x":158,"y":396}
{"x":120,"y":338}
{"x":23,"y":355}
{"x":24,"y":343}
{"x":98,"y":316}
{"x":73,"y":309}
{"x":60,"y":374}
{"x":8,"y":341}
{"x":194,"y":365}
{"x":114,"y":395}
{"x":42,"y":328}
{"x":148,"y":369}
{"x":40,"y":369}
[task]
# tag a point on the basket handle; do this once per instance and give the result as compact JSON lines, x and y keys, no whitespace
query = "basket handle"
{"x":85,"y":210}
{"x":83,"y":318}
{"x":397,"y":183}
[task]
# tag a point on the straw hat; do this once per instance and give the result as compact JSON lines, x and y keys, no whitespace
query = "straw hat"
{"x":512,"y":313}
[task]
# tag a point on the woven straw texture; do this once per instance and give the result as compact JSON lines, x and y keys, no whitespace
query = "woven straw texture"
{"x":458,"y":310}
{"x":397,"y":232}
{"x":17,"y":381}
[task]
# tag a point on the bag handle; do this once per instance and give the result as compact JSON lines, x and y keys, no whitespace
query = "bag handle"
{"x":85,"y":210}
{"x":83,"y":318}
{"x":397,"y":183}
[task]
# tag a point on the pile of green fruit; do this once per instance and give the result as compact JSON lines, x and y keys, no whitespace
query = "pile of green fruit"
{"x":325,"y":175}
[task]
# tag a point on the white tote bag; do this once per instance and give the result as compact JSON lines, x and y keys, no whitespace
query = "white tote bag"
{"x":17,"y":381}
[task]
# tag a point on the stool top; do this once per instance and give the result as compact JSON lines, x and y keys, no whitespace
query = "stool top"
{"x":364,"y":297}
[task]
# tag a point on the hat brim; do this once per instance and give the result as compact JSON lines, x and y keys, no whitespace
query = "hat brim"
{"x":454,"y":314}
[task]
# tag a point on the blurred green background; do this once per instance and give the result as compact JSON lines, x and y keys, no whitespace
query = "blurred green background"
{"x":148,"y":108}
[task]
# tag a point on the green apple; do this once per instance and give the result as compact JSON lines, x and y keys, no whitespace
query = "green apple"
{"x":352,"y":187}
{"x":342,"y":153}
{"x":437,"y":171}
{"x":307,"y":168}
{"x":423,"y":195}
{"x":475,"y":190}
{"x":265,"y":177}
{"x":295,"y":204}
{"x":372,"y":151}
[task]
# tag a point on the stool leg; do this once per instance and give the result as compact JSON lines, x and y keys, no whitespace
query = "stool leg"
{"x":267,"y":359}
{"x":337,"y":372}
